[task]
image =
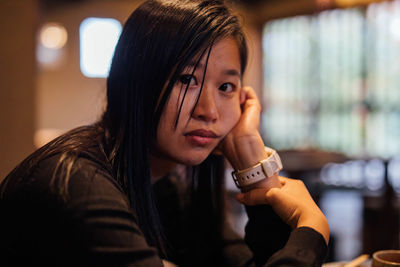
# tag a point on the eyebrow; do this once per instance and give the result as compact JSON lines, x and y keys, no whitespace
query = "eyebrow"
{"x":230,"y":72}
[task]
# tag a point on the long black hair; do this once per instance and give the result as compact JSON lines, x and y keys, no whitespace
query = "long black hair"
{"x":159,"y":39}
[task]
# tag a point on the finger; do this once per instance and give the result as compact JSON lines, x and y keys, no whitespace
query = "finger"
{"x":242,"y":96}
{"x":274,"y":195}
{"x":251,"y":110}
{"x":217,"y":151}
{"x":253,"y":197}
{"x":286,"y":179}
{"x":250,"y":93}
{"x":282,"y":180}
{"x":251,"y":99}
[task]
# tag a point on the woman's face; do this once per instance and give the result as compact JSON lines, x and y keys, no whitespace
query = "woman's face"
{"x":216,"y":113}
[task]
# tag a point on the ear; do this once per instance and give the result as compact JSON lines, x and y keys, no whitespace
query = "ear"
{"x":242,"y":97}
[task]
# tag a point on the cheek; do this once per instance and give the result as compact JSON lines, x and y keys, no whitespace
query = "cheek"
{"x":166,"y":125}
{"x":231,"y":114}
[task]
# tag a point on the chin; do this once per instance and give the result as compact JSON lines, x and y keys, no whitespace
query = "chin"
{"x":193,"y":160}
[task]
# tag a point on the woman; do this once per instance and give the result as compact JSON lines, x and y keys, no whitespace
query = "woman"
{"x":105,"y":194}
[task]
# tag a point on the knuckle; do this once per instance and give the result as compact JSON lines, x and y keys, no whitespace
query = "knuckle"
{"x":272,"y":194}
{"x":298,"y":181}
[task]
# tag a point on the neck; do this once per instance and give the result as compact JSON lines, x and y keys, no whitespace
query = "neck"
{"x":160,"y":166}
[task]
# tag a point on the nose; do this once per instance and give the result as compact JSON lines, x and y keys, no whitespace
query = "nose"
{"x":206,"y":109}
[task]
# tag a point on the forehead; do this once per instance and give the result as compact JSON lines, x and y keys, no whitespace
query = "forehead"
{"x":226,"y":47}
{"x":224,"y":55}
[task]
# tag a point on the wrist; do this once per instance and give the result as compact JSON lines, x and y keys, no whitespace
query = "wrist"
{"x":261,"y":175}
{"x":267,"y":184}
{"x":248,"y":151}
{"x":316,"y":221}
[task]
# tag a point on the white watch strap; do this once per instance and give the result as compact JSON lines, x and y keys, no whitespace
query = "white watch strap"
{"x":262,"y":170}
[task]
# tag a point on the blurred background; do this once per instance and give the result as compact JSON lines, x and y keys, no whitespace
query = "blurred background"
{"x":327,"y":72}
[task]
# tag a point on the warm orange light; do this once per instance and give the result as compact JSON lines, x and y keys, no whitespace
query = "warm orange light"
{"x":53,"y":36}
{"x":347,"y":3}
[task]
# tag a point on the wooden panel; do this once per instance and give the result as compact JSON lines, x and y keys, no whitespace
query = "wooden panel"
{"x":18,"y":21}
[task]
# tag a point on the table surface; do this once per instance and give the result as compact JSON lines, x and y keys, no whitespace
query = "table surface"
{"x":342,"y":263}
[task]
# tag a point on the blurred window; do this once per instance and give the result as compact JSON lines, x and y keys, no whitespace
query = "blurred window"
{"x":98,"y":37}
{"x":394,"y":173}
{"x":331,"y":81}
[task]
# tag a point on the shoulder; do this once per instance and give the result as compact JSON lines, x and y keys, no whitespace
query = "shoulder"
{"x":92,"y":220}
{"x":78,"y":179}
{"x":73,"y":160}
{"x":65,"y":181}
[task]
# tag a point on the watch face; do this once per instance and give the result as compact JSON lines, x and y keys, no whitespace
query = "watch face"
{"x":274,"y":166}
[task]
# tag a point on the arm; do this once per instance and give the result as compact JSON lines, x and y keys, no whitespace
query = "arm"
{"x":289,"y":199}
{"x":108,"y":226}
{"x":270,"y":242}
{"x":93,"y":226}
{"x":292,"y":203}
{"x":305,"y":244}
{"x":265,"y":232}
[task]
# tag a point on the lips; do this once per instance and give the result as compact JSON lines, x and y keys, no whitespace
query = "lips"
{"x":202,"y":133}
{"x":201,"y":137}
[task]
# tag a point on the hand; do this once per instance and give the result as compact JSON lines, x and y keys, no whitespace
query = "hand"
{"x":243,"y":146}
{"x":292,"y":202}
{"x":168,"y":264}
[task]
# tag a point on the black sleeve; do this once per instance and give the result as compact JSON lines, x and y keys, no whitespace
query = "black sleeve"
{"x":271,"y":242}
{"x":305,"y":247}
{"x":265,"y":232}
{"x":94,"y":226}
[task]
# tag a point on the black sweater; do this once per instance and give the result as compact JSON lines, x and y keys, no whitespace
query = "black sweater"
{"x":95,"y":226}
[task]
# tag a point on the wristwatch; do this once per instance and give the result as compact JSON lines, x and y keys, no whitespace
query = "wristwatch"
{"x":262,"y":170}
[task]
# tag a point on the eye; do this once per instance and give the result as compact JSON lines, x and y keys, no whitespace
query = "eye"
{"x":227,"y":88}
{"x":187,"y":79}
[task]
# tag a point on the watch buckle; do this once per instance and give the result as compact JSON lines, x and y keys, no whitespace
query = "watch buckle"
{"x":235,"y":179}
